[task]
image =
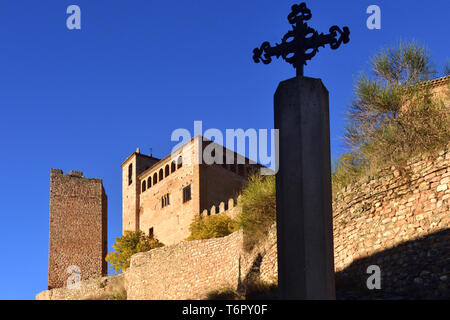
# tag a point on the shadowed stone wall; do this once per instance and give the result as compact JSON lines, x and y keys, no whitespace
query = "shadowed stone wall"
{"x":404,"y":211}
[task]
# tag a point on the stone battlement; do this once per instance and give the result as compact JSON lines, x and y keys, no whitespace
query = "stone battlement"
{"x":72,"y":173}
{"x":228,"y":207}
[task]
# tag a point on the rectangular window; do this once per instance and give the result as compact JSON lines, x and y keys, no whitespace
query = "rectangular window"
{"x":130,"y":174}
{"x":187,"y":193}
{"x":165,"y":200}
{"x":150,"y":232}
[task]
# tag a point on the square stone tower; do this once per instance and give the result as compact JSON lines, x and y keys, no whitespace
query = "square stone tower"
{"x":132,"y":167}
{"x":78,"y":227}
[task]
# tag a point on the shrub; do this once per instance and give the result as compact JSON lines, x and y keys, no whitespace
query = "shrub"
{"x":214,"y":226}
{"x":393,"y":116}
{"x":129,"y":243}
{"x":258,"y":208}
{"x":257,"y":213}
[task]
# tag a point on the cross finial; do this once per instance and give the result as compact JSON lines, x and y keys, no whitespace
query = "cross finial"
{"x":304,"y":41}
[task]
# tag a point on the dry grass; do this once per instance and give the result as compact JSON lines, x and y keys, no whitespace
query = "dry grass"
{"x":254,"y":290}
{"x":258,"y":208}
{"x":113,"y":289}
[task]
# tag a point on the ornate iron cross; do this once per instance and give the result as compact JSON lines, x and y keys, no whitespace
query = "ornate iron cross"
{"x":304,"y":41}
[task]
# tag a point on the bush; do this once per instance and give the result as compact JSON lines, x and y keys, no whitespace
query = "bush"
{"x":394,"y":116}
{"x":258,"y":208}
{"x":129,"y":243}
{"x":215,"y":226}
{"x":258,"y":212}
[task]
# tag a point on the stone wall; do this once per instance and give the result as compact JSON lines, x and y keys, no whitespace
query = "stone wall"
{"x":187,"y":270}
{"x":91,"y":289}
{"x":192,"y":269}
{"x":399,"y":221}
{"x":78,"y":227}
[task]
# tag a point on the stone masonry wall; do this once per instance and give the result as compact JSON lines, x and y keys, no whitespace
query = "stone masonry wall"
{"x":90,"y":289}
{"x":187,"y":270}
{"x":399,"y":221}
{"x":191,"y":269}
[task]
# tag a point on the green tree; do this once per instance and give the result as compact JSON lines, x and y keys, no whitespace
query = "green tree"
{"x":393,"y":116}
{"x":129,"y":243}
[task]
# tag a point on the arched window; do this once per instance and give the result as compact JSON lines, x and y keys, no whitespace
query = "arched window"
{"x":180,"y":162}
{"x":149,"y":182}
{"x":173,"y":167}
{"x":144,"y":186}
{"x":155,"y":178}
{"x":167,"y":171}
{"x":161,"y":174}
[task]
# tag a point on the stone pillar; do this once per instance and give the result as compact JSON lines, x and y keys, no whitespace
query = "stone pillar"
{"x":303,"y":188}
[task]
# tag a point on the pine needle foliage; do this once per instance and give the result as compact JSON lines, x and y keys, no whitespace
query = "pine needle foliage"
{"x":394,"y":116}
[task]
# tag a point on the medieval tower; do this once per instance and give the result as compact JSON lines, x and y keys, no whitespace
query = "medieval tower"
{"x":78,"y":227}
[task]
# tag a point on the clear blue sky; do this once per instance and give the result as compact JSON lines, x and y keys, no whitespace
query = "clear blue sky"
{"x":137,"y":70}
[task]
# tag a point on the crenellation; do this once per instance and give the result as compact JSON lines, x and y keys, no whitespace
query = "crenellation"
{"x":76,"y":173}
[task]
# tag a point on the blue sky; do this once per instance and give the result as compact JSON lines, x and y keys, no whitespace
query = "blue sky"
{"x":137,"y":70}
